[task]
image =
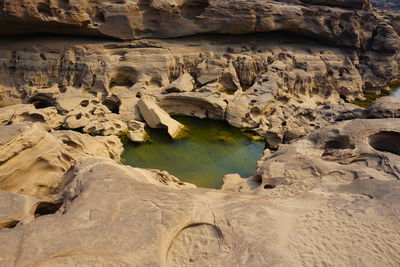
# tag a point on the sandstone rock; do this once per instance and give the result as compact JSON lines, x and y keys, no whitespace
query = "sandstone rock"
{"x":333,"y":156}
{"x":309,"y":201}
{"x":201,"y":105}
{"x":207,"y":72}
{"x":118,"y":75}
{"x":185,"y":83}
{"x":105,"y":127}
{"x":48,"y":117}
{"x":156,"y":117}
{"x":385,"y":107}
{"x":230,"y":80}
{"x":163,"y":19}
{"x":137,"y":132}
{"x":15,"y":208}
{"x":386,"y":39}
{"x":154,"y":224}
{"x":45,"y":157}
{"x":81,"y":116}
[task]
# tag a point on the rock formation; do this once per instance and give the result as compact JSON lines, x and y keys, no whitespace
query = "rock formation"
{"x":33,"y":160}
{"x":74,"y":74}
{"x":156,"y":117}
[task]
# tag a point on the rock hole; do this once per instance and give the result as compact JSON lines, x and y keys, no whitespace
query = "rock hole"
{"x":78,"y":116}
{"x":193,"y":8}
{"x":256,"y":180}
{"x":84,"y":103}
{"x":99,"y":17}
{"x":45,"y":10}
{"x":46,"y":208}
{"x":63,"y":4}
{"x":125,"y":76}
{"x":41,"y":101}
{"x":144,"y":5}
{"x":62,"y":89}
{"x":112,"y":103}
{"x":9,"y":225}
{"x":386,"y":142}
{"x":269,"y":186}
{"x":42,"y":56}
{"x":339,"y":142}
{"x":255,"y":110}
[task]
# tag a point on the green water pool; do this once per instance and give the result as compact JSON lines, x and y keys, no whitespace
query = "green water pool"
{"x":210,"y":150}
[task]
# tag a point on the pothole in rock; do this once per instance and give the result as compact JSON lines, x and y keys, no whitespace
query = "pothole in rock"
{"x":210,"y":150}
{"x":193,"y":8}
{"x":386,"y":142}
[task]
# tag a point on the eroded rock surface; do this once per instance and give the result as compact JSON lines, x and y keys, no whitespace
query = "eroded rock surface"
{"x":156,"y":117}
{"x":327,"y":197}
{"x":330,"y":157}
{"x":33,"y":160}
{"x":154,"y":224}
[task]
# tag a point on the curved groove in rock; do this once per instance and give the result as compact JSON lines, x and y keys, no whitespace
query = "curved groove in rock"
{"x":194,"y":241}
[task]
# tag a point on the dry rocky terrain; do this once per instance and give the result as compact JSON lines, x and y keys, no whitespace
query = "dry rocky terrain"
{"x":74,"y":74}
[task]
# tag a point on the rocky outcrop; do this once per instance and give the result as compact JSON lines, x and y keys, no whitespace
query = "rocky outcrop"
{"x":164,"y":19}
{"x":385,"y":107}
{"x":328,"y":195}
{"x":137,"y":132}
{"x":155,"y":224}
{"x":328,"y":158}
{"x":201,"y":105}
{"x":185,"y":83}
{"x":15,"y":208}
{"x":156,"y":117}
{"x":241,"y":80}
{"x":33,"y":160}
{"x":47,"y":117}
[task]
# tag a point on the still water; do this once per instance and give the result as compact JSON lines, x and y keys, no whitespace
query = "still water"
{"x":210,"y":150}
{"x":397,"y":92}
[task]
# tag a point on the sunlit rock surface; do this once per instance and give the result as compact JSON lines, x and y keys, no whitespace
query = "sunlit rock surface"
{"x":328,"y":195}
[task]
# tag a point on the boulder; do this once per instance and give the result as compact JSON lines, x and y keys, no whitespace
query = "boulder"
{"x":156,"y":117}
{"x":196,"y":104}
{"x":185,"y":83}
{"x":384,"y":107}
{"x":137,"y":132}
{"x":167,"y":18}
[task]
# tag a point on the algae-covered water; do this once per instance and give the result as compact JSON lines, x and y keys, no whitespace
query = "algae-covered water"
{"x":210,"y":150}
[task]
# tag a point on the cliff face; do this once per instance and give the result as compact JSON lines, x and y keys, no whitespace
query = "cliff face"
{"x":343,"y":23}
